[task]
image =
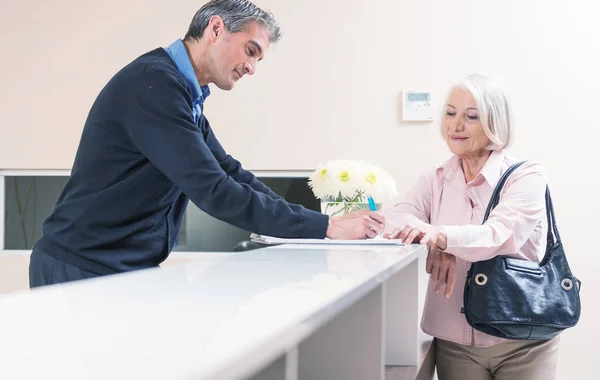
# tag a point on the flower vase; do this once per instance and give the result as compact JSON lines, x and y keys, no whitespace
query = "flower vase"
{"x":332,"y":208}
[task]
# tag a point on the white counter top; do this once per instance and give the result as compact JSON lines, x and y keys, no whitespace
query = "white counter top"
{"x":187,"y":321}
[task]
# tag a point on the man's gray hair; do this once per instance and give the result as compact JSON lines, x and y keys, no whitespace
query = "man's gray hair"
{"x":493,"y":107}
{"x":236,"y":15}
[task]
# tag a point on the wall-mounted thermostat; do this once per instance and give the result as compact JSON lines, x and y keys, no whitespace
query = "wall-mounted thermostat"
{"x":416,"y":106}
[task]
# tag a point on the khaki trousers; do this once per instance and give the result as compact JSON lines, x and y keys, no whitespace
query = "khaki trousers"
{"x":511,"y":360}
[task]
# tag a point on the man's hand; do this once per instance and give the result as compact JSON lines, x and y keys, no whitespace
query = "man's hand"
{"x":357,"y":225}
{"x":433,"y":236}
{"x":442,"y":268}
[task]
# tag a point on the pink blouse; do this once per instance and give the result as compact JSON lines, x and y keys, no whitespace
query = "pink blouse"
{"x":516,"y":227}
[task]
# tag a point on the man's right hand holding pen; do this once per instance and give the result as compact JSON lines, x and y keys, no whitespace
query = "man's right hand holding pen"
{"x":357,"y":225}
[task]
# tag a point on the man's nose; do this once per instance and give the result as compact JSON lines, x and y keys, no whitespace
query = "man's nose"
{"x":249,"y":68}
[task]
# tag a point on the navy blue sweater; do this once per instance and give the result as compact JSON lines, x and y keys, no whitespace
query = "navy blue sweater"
{"x":140,"y":158}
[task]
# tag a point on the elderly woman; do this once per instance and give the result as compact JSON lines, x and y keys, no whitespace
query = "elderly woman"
{"x":444,"y":210}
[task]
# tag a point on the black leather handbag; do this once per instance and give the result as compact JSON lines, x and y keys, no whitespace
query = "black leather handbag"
{"x":521,"y":299}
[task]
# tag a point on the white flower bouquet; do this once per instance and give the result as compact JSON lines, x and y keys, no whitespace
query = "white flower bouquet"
{"x":345,"y":186}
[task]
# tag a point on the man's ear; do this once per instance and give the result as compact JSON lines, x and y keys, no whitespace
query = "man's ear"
{"x":215,"y":28}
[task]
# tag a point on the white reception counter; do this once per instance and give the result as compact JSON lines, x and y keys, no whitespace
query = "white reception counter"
{"x":286,"y":312}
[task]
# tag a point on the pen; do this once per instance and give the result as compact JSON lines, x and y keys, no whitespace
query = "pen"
{"x":372,"y":207}
{"x":371,"y":204}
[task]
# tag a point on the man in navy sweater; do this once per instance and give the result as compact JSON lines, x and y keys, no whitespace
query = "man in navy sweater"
{"x":146,"y":149}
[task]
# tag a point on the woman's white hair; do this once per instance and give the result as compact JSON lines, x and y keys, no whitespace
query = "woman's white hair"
{"x":493,"y":109}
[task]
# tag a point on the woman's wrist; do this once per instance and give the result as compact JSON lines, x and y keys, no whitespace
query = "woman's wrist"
{"x":442,"y":243}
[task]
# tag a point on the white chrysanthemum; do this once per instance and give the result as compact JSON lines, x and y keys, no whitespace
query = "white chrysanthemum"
{"x":320,"y":182}
{"x":352,"y":181}
{"x":343,"y":179}
{"x":371,"y":180}
{"x":375,"y":182}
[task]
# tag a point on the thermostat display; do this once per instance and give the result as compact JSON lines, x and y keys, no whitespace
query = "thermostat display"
{"x":418,"y":97}
{"x":416,"y":106}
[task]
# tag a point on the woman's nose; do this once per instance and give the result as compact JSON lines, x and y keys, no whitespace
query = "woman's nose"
{"x":458,"y":125}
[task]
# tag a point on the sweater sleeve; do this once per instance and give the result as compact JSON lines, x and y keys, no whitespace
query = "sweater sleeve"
{"x":159,"y":123}
{"x":230,"y":165}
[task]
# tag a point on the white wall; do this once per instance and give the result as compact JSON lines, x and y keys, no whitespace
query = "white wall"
{"x":331,"y":86}
{"x":57,"y":55}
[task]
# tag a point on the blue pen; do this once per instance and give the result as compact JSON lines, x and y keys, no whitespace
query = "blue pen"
{"x":372,"y":207}
{"x":372,"y":204}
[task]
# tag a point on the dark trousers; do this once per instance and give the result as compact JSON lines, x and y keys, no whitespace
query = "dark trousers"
{"x":46,"y":270}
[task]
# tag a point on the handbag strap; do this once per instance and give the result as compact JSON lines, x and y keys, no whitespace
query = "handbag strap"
{"x":553,"y":237}
{"x":498,"y":189}
{"x":551,"y":220}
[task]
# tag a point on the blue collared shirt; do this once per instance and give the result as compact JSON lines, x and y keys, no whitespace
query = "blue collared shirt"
{"x":179,"y":55}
